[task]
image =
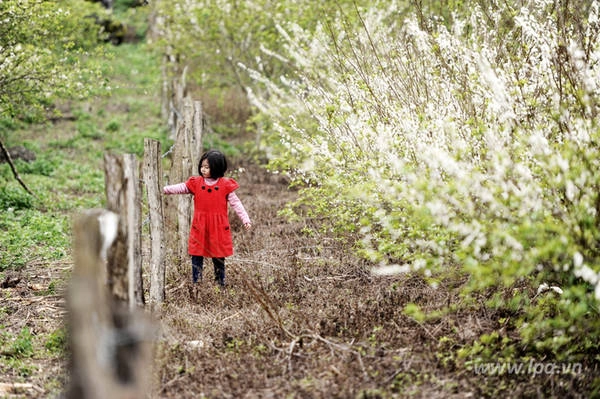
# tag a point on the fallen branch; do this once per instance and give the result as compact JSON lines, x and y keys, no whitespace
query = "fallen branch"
{"x":267,"y":305}
{"x":14,"y":169}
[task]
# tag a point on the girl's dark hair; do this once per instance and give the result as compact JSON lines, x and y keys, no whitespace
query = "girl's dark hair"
{"x":216,"y":161}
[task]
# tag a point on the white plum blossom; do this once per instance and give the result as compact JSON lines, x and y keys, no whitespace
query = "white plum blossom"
{"x":545,"y":287}
{"x":446,"y":124}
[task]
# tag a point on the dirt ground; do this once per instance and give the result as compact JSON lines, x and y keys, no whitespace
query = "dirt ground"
{"x":304,"y":318}
{"x":301,"y":317}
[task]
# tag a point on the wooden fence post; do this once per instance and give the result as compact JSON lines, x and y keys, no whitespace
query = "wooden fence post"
{"x":134,"y":230}
{"x":152,"y":173}
{"x":178,"y":90}
{"x":196,"y":134}
{"x":182,"y":169}
{"x":110,"y":345}
{"x":123,"y":197}
{"x":184,"y":211}
{"x":186,"y":155}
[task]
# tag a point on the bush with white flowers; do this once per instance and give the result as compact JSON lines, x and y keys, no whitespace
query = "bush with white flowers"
{"x":470,"y":143}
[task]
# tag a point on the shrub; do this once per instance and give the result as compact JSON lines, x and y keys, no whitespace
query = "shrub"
{"x":471,"y":142}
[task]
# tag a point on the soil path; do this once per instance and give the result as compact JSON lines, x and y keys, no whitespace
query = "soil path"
{"x":301,"y":317}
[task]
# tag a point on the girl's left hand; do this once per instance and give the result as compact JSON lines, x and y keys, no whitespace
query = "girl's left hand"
{"x":247,"y":226}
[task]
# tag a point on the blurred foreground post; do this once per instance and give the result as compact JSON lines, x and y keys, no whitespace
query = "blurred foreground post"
{"x":110,"y":344}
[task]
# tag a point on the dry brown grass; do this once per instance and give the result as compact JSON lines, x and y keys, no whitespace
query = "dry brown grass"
{"x":301,"y":318}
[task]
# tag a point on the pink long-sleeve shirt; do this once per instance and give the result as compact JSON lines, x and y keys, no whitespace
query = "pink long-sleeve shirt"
{"x":232,"y":198}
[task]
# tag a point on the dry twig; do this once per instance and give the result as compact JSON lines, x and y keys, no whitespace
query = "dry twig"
{"x":14,"y":169}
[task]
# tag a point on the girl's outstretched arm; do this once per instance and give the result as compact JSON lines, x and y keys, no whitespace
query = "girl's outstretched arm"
{"x":180,"y":188}
{"x":238,"y":207}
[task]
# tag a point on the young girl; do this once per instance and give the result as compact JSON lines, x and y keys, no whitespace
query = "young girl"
{"x":210,"y":235}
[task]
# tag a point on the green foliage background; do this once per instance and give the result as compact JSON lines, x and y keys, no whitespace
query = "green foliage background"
{"x":48,"y":52}
{"x":54,"y":64}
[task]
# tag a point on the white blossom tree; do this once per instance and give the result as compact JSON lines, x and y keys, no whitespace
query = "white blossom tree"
{"x":470,"y":143}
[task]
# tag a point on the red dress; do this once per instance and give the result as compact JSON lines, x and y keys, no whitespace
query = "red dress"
{"x":210,"y":235}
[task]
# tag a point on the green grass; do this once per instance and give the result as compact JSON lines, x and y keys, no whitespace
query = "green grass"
{"x":68,"y":173}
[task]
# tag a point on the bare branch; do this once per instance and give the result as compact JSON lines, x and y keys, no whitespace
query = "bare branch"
{"x":14,"y":169}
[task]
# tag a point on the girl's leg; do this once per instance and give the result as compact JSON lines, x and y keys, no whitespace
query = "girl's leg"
{"x":219,"y":270}
{"x":197,"y":264}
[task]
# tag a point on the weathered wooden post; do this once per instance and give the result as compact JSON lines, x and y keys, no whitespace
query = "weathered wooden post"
{"x":184,"y":211}
{"x":196,"y":134}
{"x":181,"y":170}
{"x":152,"y":176}
{"x":110,"y":345}
{"x":177,"y":94}
{"x":123,"y":197}
{"x":186,"y":155}
{"x":134,"y":230}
